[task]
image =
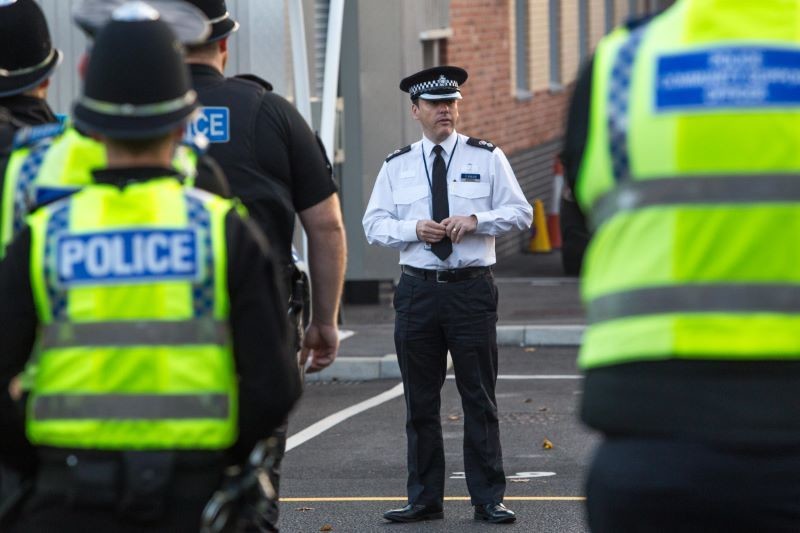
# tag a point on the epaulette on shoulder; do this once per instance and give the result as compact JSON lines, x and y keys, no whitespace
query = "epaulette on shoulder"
{"x":399,"y":151}
{"x":33,"y":134}
{"x":636,"y":22}
{"x":255,"y":79}
{"x":480,"y":143}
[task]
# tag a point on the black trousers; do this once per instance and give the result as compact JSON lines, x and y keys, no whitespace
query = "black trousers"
{"x":640,"y":485}
{"x":432,"y":318}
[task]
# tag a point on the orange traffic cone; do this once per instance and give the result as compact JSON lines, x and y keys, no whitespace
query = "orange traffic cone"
{"x":540,"y":240}
{"x":553,"y":222}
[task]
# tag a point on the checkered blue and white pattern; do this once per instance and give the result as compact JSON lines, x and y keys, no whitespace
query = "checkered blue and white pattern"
{"x":56,"y":294}
{"x":619,"y":102}
{"x":442,"y":82}
{"x":24,"y":199}
{"x":203,"y":289}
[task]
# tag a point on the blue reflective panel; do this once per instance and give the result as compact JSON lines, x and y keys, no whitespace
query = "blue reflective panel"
{"x":46,"y":195}
{"x":729,"y":77}
{"x":127,"y":256}
{"x":213,"y":122}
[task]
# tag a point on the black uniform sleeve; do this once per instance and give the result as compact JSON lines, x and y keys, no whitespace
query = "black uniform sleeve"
{"x":17,"y":335}
{"x":574,"y":235}
{"x":577,"y":130}
{"x":211,"y":178}
{"x":279,"y":123}
{"x":574,"y":230}
{"x":269,"y":380}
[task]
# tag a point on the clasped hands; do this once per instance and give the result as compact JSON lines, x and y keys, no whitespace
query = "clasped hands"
{"x":455,"y":227}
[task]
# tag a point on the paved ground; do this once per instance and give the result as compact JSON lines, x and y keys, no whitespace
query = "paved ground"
{"x":347,"y":476}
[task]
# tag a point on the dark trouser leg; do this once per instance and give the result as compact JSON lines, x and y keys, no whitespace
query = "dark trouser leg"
{"x":421,"y":353}
{"x":654,"y":485}
{"x":471,"y":335}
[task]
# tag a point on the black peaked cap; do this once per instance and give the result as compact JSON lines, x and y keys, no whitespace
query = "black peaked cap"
{"x":137,"y":84}
{"x":27,"y":56}
{"x":436,"y":83}
{"x":222,"y":24}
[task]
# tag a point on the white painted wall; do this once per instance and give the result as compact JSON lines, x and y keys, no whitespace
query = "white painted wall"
{"x":259,"y":47}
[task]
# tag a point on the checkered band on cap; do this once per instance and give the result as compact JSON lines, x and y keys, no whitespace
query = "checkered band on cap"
{"x":442,"y":82}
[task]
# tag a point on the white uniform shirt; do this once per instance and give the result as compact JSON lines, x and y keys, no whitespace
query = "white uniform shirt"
{"x":480,"y":182}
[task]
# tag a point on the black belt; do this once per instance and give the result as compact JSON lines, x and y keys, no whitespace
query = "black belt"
{"x":446,"y":276}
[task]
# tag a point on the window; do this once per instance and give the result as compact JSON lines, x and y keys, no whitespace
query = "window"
{"x":522,"y":50}
{"x":610,"y":15}
{"x":434,"y":47}
{"x":583,"y":29}
{"x":554,"y":11}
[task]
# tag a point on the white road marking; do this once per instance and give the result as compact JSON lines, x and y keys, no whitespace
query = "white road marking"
{"x":345,"y":334}
{"x":517,"y":475}
{"x":531,"y":376}
{"x":538,"y":282}
{"x":328,"y":422}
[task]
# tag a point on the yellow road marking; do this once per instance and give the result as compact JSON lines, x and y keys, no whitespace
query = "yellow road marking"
{"x":447,"y":498}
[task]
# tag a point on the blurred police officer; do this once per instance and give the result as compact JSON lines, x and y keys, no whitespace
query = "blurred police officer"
{"x":52,"y":160}
{"x":442,"y":201}
{"x":689,"y":172}
{"x":161,"y":352}
{"x":277,"y":167}
{"x":27,"y":60}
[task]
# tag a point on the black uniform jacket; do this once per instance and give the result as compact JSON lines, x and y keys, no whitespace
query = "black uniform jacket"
{"x":273,"y":161}
{"x":722,"y":401}
{"x":269,"y":383}
{"x":20,"y":111}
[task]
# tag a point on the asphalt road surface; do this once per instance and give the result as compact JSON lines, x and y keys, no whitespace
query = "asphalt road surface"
{"x":346,"y":460}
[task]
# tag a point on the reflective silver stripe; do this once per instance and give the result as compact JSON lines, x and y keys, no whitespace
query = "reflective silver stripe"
{"x":130,"y":406}
{"x":143,"y":110}
{"x":27,"y":70}
{"x":134,"y":333}
{"x":639,"y":194}
{"x":717,"y":298}
{"x":220,"y":19}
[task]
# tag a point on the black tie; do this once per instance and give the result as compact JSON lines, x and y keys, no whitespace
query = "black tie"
{"x":441,"y":207}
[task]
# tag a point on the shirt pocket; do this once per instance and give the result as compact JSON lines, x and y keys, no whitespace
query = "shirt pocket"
{"x":412,"y":202}
{"x":469,"y":198}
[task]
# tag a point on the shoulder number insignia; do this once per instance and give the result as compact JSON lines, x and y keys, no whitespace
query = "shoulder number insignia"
{"x":480,"y":143}
{"x":399,"y":151}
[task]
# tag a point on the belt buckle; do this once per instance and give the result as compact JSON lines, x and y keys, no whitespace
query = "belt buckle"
{"x":438,"y":279}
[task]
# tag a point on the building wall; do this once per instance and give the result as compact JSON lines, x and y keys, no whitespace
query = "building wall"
{"x":263,"y":27}
{"x":527,"y":127}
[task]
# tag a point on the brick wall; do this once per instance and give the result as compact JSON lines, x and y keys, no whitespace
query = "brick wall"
{"x":481,"y":43}
{"x":528,"y":130}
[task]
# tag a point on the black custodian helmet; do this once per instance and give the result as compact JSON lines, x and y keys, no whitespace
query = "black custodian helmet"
{"x":27,"y":55}
{"x":222,"y":24}
{"x":137,"y":84}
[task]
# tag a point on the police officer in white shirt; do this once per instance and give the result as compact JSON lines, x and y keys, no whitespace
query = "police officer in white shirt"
{"x":442,"y":201}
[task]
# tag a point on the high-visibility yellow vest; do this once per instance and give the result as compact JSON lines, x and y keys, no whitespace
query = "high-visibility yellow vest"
{"x":54,"y":160}
{"x":133,"y":349}
{"x":691,"y":178}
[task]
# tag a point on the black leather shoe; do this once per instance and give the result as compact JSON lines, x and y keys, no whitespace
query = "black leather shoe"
{"x":414,"y":513}
{"x":496,"y":513}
